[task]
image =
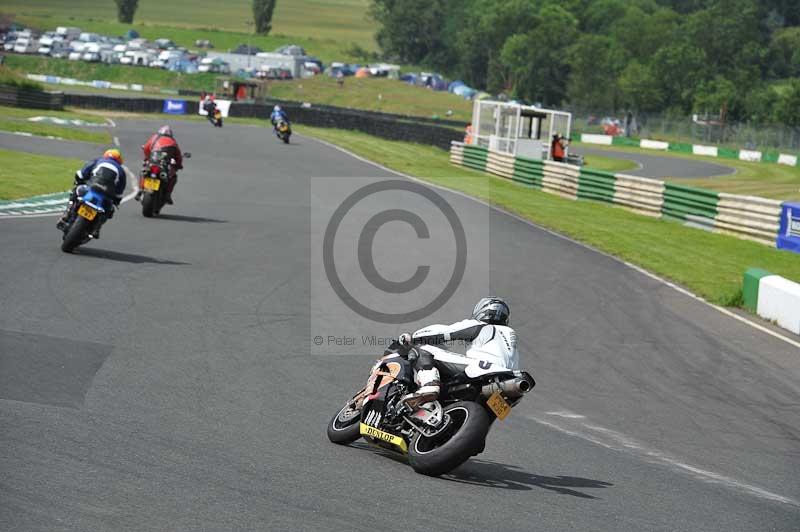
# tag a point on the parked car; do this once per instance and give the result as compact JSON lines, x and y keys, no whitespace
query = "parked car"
{"x":26,"y":45}
{"x":75,"y":56}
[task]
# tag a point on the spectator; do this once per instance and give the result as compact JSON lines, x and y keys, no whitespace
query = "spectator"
{"x":340,"y":78}
{"x":557,"y":148}
{"x":468,"y":134}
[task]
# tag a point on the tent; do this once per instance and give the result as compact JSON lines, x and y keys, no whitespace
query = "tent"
{"x":363,"y":72}
{"x":454,"y":84}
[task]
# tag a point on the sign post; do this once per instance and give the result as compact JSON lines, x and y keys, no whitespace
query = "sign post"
{"x":789,"y":232}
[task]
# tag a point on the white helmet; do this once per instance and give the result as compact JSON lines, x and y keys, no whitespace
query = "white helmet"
{"x":276,"y":109}
{"x":492,"y":310}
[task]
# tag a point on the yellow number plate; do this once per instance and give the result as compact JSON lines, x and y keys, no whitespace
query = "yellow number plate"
{"x":87,"y":212}
{"x":151,"y":184}
{"x":498,"y":405}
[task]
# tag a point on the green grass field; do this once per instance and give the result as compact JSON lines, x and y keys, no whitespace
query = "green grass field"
{"x":767,"y":180}
{"x":375,"y":94}
{"x":326,"y":28}
{"x":15,"y":119}
{"x":152,"y":78}
{"x":711,"y":265}
{"x":22,"y":177}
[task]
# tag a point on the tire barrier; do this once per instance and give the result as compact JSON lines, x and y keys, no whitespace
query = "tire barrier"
{"x":30,"y":98}
{"x":747,"y":217}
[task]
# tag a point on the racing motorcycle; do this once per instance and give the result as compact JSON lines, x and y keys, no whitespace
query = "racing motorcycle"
{"x":283,"y":130}
{"x":436,"y":436}
{"x":93,"y":209}
{"x":216,"y":117}
{"x":155,"y":182}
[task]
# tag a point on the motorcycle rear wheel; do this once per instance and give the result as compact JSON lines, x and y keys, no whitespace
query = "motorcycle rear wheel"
{"x":148,"y":205}
{"x":344,"y":427}
{"x":464,"y":437}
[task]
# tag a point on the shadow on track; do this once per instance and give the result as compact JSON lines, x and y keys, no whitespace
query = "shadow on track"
{"x":125,"y":257}
{"x":191,"y":219}
{"x":496,"y":475}
{"x":504,"y":476}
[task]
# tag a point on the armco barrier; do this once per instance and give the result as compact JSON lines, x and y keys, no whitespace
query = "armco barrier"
{"x":748,"y":217}
{"x":30,"y":98}
{"x":379,"y":125}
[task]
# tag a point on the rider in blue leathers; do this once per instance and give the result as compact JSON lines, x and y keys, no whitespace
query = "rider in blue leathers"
{"x":277,"y":115}
{"x":111,"y":164}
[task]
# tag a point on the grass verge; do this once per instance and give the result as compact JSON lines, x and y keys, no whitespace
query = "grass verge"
{"x":22,"y":177}
{"x":15,"y":119}
{"x":767,"y":180}
{"x":708,"y":264}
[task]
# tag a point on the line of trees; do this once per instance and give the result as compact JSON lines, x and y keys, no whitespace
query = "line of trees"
{"x":736,"y":58}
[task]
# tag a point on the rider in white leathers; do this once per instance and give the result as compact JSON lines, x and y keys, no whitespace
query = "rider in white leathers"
{"x":491,"y":341}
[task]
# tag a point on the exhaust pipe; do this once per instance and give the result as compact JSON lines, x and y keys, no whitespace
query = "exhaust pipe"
{"x":511,"y":388}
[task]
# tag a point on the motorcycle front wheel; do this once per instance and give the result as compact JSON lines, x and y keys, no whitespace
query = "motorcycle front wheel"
{"x":344,"y":427}
{"x":76,"y":234}
{"x":463,"y":437}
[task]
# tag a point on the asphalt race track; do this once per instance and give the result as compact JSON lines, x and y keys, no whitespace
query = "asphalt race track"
{"x":165,"y":377}
{"x":659,"y":167}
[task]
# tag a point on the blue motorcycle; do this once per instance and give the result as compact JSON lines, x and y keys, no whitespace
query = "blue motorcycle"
{"x":93,"y":208}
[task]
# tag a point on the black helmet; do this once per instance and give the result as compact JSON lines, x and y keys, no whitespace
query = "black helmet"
{"x":492,"y":310}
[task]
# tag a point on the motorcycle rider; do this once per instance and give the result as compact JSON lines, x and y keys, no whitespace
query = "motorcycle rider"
{"x":209,"y":106}
{"x":278,"y":115}
{"x":110,"y":163}
{"x":490,"y":339}
{"x":163,"y":142}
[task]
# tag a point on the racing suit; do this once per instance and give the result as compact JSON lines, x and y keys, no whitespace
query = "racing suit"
{"x":84,"y":176}
{"x":277,"y":116}
{"x":162,"y":143}
{"x":487,"y":343}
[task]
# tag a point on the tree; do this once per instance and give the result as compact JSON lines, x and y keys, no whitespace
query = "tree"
{"x":640,"y":89}
{"x":787,"y":109}
{"x":537,"y":60}
{"x":126,"y":10}
{"x":410,"y":29}
{"x":596,"y":62}
{"x":262,"y":15}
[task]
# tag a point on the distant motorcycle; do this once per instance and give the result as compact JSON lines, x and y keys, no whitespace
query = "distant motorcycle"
{"x":216,"y":118}
{"x":214,"y":114}
{"x":437,"y":436}
{"x":283,"y":130}
{"x":93,"y":209}
{"x":155,"y":182}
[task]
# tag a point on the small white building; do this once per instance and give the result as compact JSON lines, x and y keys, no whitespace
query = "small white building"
{"x":524,"y":130}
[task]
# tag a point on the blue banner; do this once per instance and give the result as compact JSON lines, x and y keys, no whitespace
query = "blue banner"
{"x":789,"y":232}
{"x":174,"y":107}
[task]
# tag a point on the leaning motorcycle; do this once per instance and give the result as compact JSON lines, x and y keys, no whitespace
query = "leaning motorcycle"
{"x":436,"y":436}
{"x":155,"y":182}
{"x":93,"y":208}
{"x":283,"y":130}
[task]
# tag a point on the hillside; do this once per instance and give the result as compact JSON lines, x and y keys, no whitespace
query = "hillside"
{"x":326,"y":28}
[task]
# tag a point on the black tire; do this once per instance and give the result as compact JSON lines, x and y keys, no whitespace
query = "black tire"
{"x":76,"y":234}
{"x":444,"y":452}
{"x":286,"y":138}
{"x":344,"y":427}
{"x":148,"y":205}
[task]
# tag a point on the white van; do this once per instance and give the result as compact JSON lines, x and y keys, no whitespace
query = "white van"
{"x":26,"y":46}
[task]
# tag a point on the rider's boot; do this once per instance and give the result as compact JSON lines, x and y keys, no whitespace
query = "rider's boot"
{"x":428,"y":388}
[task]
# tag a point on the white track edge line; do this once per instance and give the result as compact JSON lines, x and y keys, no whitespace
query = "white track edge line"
{"x":639,"y":269}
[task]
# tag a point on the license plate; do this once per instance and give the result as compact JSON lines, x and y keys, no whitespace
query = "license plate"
{"x":498,"y":405}
{"x":87,"y":212}
{"x":151,"y":184}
